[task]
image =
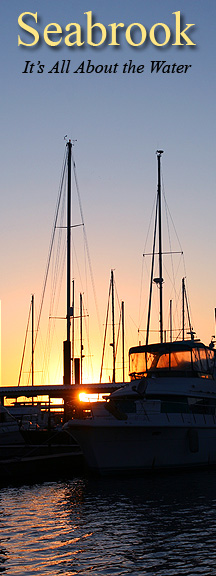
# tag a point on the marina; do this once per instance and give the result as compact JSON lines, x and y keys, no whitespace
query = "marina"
{"x":33,"y":444}
{"x":107,"y":289}
{"x":163,"y":418}
{"x":39,"y":444}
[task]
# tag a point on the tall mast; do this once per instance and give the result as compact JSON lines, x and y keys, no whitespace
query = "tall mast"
{"x":67,"y":343}
{"x":183,"y":309}
{"x":69,"y":145}
{"x":32,"y":311}
{"x":191,"y":332}
{"x":113,"y":323}
{"x":81,"y":338}
{"x":159,"y":153}
{"x":123,"y":346}
{"x":151,"y":280}
{"x":171,"y":329}
{"x":73,"y":325}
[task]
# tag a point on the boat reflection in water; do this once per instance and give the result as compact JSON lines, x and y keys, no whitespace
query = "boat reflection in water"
{"x":165,"y":417}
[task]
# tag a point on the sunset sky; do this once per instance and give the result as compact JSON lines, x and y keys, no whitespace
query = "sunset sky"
{"x":118,"y":121}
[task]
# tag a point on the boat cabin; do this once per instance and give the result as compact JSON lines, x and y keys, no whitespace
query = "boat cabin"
{"x":180,"y":358}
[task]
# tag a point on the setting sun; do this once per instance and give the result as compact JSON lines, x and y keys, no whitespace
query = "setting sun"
{"x":83,"y":397}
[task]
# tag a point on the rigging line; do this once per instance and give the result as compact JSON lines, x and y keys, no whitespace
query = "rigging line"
{"x":141,"y":282}
{"x":182,"y":253}
{"x":144,"y":270}
{"x":77,"y":188}
{"x":30,"y":367}
{"x":177,"y":294}
{"x":57,"y":264}
{"x":118,"y":333}
{"x":177,"y":237}
{"x":87,"y":335}
{"x":189,"y":304}
{"x":152,"y":272}
{"x":40,"y":347}
{"x":132,"y":320}
{"x":51,"y":246}
{"x":169,"y":236}
{"x":80,"y":205}
{"x":119,"y":325}
{"x":174,"y":290}
{"x":105,"y":332}
{"x":77,"y":264}
{"x":24,"y":347}
{"x":126,"y":342}
{"x":151,"y":218}
{"x":176,"y":313}
{"x":188,"y":311}
{"x":58,"y":260}
{"x":87,"y":248}
{"x":119,"y":305}
{"x":52,"y":325}
{"x":54,"y":345}
{"x":116,"y":291}
{"x":177,"y":337}
{"x":83,"y":284}
{"x":140,"y":298}
{"x":85,"y":272}
{"x":56,"y":290}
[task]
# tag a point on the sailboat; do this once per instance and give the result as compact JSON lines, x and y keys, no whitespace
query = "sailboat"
{"x":71,"y":365}
{"x":165,"y":417}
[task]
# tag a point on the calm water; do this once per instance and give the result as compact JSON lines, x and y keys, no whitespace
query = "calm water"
{"x":164,"y":525}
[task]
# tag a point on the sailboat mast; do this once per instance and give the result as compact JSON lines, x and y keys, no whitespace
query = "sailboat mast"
{"x":81,"y":338}
{"x":159,"y":153}
{"x":69,"y":145}
{"x":67,"y":343}
{"x":113,"y":323}
{"x":32,"y":311}
{"x":183,"y":309}
{"x":151,"y":280}
{"x":123,"y":344}
{"x":73,"y":304}
{"x":171,"y":328}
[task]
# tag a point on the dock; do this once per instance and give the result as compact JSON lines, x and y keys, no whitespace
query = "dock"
{"x":66,"y":392}
{"x":45,"y":396}
{"x":47,"y":450}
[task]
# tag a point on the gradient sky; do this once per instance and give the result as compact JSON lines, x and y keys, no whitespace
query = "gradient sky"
{"x":119,"y":121}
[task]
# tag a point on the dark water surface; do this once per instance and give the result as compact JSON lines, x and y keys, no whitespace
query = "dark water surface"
{"x":159,"y":525}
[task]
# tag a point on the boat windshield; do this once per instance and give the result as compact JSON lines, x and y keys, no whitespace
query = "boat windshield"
{"x":195,"y":360}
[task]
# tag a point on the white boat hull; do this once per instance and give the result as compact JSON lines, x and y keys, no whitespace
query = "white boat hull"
{"x":128,"y":448}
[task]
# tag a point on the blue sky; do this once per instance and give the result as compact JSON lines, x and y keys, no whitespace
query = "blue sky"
{"x":119,"y":120}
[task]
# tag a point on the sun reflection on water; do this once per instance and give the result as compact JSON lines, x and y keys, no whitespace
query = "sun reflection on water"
{"x":149,"y":525}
